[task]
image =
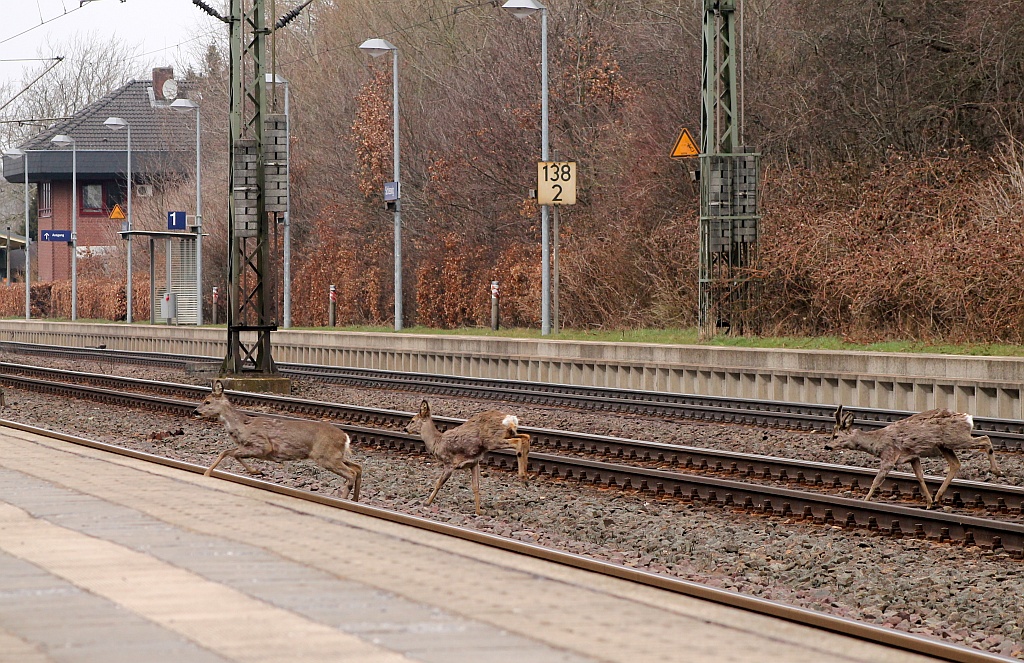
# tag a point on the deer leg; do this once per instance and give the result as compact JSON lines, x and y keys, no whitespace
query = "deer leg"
{"x":221,"y":457}
{"x":954,"y":467}
{"x":883,"y":472}
{"x":351,"y":472}
{"x":985,"y":443}
{"x":476,"y":487}
{"x":916,"y":464}
{"x":447,"y":474}
{"x":522,"y":444}
{"x":248,"y":468}
{"x":357,"y":471}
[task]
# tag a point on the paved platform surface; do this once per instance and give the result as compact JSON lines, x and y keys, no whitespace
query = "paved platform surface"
{"x":105,"y":559}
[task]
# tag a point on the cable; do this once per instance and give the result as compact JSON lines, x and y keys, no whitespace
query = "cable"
{"x":57,"y":61}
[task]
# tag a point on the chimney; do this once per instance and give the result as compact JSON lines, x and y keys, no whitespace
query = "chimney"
{"x":160,"y":76}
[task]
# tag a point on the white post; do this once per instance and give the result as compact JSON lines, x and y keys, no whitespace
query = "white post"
{"x":545,"y":313}
{"x":288,"y":212}
{"x":398,"y":203}
{"x":28,"y":254}
{"x":74,"y":230}
{"x":199,"y":229}
{"x":128,"y":314}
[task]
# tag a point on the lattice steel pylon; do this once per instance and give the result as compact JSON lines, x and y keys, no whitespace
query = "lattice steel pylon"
{"x":249,"y":295}
{"x":729,"y":216}
{"x":254,"y":163}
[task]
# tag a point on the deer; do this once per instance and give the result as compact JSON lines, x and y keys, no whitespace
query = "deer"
{"x":465,"y":445}
{"x":932,"y":433}
{"x":281,"y":440}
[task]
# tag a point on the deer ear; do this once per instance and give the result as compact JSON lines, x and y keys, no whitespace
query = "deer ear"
{"x":218,"y":388}
{"x":839,"y":414}
{"x":847,"y":421}
{"x":424,"y":409}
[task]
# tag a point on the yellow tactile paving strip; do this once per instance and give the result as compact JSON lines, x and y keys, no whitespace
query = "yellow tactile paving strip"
{"x":604,"y":618}
{"x":216,"y":617}
{"x":13,"y":648}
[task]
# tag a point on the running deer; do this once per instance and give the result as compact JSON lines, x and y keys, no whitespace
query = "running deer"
{"x":925,"y":434}
{"x":279,"y":440}
{"x":465,"y":445}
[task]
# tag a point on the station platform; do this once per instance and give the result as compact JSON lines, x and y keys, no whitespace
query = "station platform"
{"x":109,"y":559}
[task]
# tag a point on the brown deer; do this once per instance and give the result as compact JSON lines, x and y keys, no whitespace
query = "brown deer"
{"x":464,"y":445}
{"x":281,"y":439}
{"x":925,"y":434}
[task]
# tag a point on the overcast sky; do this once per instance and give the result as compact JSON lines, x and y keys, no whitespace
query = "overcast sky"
{"x":163,"y":31}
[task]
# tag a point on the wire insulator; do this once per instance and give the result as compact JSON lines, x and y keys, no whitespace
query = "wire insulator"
{"x":210,"y":10}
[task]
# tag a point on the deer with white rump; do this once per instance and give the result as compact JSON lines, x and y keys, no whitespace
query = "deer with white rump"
{"x":932,"y":433}
{"x":280,"y":440}
{"x":465,"y":445}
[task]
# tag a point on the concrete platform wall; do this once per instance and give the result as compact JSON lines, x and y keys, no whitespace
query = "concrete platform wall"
{"x":984,"y":386}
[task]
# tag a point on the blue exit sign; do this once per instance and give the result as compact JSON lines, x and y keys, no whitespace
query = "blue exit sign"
{"x":175,"y":220}
{"x":55,"y":235}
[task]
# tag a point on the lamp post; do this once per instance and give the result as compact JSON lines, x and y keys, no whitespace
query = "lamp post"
{"x":116,"y":124}
{"x":189,"y":105}
{"x":523,"y":9}
{"x":64,"y":139}
{"x":16,"y":153}
{"x":376,"y":48}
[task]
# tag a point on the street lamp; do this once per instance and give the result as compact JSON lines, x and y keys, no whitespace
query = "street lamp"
{"x":64,"y":139}
{"x":184,"y":105}
{"x":376,"y":48}
{"x":524,"y":9}
{"x":16,"y":153}
{"x":116,"y":124}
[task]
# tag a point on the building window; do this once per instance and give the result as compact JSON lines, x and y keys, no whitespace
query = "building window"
{"x":92,"y":198}
{"x":45,"y":206}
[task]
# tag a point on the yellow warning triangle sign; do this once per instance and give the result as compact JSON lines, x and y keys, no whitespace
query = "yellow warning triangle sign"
{"x":117,"y":212}
{"x":684,"y":147}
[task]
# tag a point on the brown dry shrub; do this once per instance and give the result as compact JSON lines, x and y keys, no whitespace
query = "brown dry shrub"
{"x":901,"y":252}
{"x":517,"y":272}
{"x":352,"y":256}
{"x":449,"y":290}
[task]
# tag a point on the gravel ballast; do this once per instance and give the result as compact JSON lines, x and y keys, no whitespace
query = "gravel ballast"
{"x":963,"y":595}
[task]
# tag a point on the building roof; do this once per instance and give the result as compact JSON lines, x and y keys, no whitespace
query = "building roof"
{"x":161,"y":139}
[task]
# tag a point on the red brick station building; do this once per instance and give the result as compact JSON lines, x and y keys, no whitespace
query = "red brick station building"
{"x":162,"y":149}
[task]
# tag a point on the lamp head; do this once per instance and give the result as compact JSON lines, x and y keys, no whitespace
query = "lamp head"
{"x":377,"y":47}
{"x":62,"y":139}
{"x":116,"y":123}
{"x":183,"y":104}
{"x":523,"y":8}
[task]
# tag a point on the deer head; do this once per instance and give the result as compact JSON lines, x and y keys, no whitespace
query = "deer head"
{"x":416,"y":424}
{"x":840,"y":430}
{"x":214,"y":404}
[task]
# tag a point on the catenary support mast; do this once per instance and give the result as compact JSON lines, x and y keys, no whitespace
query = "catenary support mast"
{"x":729,"y":217}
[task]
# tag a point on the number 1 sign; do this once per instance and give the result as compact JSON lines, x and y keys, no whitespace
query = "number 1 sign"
{"x":556,"y":182}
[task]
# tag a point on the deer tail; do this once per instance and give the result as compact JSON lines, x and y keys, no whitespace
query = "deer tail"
{"x":511,"y":422}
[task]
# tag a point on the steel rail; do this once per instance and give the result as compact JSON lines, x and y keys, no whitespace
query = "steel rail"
{"x":992,"y":498}
{"x":1006,"y":434}
{"x":888,"y":519}
{"x":911,"y":642}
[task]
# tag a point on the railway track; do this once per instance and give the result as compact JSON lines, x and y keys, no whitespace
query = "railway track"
{"x":906,"y":641}
{"x":1006,"y":434}
{"x":985,"y":515}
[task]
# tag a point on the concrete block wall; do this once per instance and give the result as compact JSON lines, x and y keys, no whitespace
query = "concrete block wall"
{"x":984,"y":386}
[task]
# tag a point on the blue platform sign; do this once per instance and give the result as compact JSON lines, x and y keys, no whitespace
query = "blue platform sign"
{"x":391,"y":191}
{"x":55,"y":235}
{"x":175,"y":220}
